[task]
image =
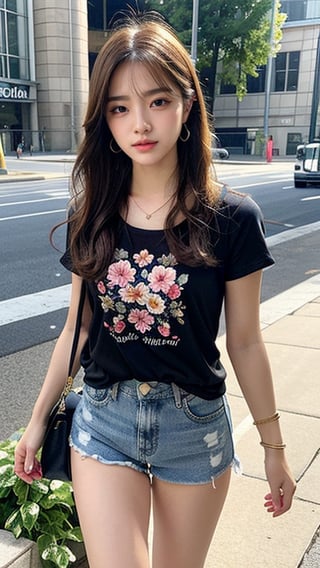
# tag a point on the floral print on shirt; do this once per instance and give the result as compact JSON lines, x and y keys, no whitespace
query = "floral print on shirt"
{"x":142,"y":296}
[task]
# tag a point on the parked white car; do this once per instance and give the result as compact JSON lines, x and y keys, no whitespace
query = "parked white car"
{"x":220,"y":153}
{"x":307,"y":166}
{"x":217,"y":152}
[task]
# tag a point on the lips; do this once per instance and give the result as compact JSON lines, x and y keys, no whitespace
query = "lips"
{"x":145,"y":144}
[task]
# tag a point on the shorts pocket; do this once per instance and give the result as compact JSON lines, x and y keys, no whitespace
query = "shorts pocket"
{"x":97,"y":397}
{"x":199,"y":410}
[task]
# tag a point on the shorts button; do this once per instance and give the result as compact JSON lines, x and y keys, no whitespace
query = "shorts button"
{"x":144,"y":388}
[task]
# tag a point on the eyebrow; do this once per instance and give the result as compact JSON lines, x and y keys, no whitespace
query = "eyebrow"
{"x":149,"y":93}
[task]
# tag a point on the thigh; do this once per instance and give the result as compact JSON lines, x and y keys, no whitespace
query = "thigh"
{"x":185,"y":518}
{"x":113,"y":504}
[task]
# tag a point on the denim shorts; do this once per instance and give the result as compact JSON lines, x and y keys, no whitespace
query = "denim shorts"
{"x":155,"y":428}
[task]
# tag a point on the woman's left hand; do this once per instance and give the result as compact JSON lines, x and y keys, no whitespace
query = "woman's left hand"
{"x":281,"y":481}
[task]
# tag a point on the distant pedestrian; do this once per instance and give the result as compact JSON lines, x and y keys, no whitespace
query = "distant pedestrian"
{"x":19,"y":150}
{"x":269,"y":149}
{"x":161,"y":245}
{"x":31,"y":149}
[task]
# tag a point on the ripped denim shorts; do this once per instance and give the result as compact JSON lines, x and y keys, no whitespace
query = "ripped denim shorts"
{"x":155,"y":428}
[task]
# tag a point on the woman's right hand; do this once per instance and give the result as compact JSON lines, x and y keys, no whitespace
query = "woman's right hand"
{"x":26,"y":465}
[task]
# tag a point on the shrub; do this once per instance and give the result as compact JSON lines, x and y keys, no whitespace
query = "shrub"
{"x":43,"y":512}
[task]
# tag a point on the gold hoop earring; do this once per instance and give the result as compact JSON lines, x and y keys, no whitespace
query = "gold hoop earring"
{"x":187,"y":133}
{"x":112,"y":148}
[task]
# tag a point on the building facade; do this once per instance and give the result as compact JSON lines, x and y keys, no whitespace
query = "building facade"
{"x":293,"y":98}
{"x":48,"y":47}
{"x":44,"y":73}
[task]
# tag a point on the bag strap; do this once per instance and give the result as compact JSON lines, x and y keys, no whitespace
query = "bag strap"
{"x":77,"y":328}
{"x":69,"y":383}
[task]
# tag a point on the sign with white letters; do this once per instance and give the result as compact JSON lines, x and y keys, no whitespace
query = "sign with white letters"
{"x":11,"y":92}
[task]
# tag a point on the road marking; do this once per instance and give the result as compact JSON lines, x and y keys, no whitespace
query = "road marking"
{"x":32,"y":214}
{"x":272,"y":222}
{"x":25,"y":192}
{"x":310,"y":198}
{"x":292,"y":234}
{"x":31,"y":201}
{"x":257,"y":183}
{"x":36,"y":304}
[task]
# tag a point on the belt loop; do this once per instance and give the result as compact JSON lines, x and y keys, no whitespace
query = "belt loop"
{"x":177,"y":395}
{"x":114,"y":391}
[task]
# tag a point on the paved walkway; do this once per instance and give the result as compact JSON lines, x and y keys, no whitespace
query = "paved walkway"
{"x":247,"y":537}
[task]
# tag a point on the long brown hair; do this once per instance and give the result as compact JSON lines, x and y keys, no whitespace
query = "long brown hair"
{"x":101,"y":179}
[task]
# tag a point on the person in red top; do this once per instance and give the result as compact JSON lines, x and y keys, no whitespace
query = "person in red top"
{"x":161,"y":244}
{"x":269,"y":149}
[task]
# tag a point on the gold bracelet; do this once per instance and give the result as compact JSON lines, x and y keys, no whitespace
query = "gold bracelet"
{"x":273,"y":446}
{"x":273,"y":418}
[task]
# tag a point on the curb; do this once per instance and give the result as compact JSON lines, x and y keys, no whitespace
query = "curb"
{"x":23,"y":553}
{"x":7,"y":178}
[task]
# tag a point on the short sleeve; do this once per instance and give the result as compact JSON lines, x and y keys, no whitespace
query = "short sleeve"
{"x":247,"y":250}
{"x":65,"y":259}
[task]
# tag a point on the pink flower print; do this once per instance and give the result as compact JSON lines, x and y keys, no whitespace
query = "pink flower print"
{"x":143,"y":258}
{"x":101,"y":287}
{"x":164,"y":329}
{"x":155,"y":304}
{"x":141,"y":319}
{"x":174,"y":292}
{"x":120,"y":273}
{"x":119,"y":325}
{"x":161,"y":278}
{"x":131,"y":294}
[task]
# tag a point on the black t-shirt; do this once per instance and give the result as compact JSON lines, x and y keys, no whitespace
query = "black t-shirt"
{"x":155,"y":319}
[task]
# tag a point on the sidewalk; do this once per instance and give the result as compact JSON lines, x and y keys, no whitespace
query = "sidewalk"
{"x":247,"y":536}
{"x":18,"y":176}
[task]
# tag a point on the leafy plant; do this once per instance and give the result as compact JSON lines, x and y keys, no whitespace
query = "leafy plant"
{"x":43,"y":512}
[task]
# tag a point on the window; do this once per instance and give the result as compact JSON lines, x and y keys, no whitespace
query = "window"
{"x":14,"y":53}
{"x":96,"y":14}
{"x":102,"y":13}
{"x":227,"y":89}
{"x":286,"y":71}
{"x":300,"y":9}
{"x":295,"y":9}
{"x":257,"y":84}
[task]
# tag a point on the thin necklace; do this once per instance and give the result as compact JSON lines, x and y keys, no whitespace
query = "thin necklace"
{"x":149,"y":215}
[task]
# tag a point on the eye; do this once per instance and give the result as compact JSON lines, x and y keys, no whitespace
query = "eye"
{"x":118,"y":109}
{"x":159,"y":103}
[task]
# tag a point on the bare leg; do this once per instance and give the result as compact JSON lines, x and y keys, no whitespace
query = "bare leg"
{"x":185,"y":518}
{"x":113,"y":504}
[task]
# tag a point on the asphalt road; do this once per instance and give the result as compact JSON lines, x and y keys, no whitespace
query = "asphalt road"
{"x":31,"y":274}
{"x":29,"y":264}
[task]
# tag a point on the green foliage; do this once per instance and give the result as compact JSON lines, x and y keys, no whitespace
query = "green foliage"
{"x":233,"y":37}
{"x":43,"y":512}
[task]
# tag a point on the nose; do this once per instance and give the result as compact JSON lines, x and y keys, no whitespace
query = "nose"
{"x":142,"y":124}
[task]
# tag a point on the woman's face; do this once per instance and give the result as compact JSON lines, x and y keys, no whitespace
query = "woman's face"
{"x":145,"y":119}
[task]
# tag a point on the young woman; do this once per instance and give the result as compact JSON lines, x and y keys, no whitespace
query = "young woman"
{"x":160,"y":245}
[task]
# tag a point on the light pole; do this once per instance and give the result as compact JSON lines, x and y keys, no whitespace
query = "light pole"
{"x":315,"y":96}
{"x":194,"y":39}
{"x":268,"y":75}
{"x":73,"y":143}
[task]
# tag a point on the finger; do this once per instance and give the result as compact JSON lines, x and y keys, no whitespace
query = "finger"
{"x":31,"y":464}
{"x":274,"y":505}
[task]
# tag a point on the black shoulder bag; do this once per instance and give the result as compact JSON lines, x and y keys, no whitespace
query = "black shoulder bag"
{"x":55,"y":455}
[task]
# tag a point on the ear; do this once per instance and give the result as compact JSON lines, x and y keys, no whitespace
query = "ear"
{"x":187,"y":108}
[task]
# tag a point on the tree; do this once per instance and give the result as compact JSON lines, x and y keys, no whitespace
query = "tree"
{"x":234,"y":32}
